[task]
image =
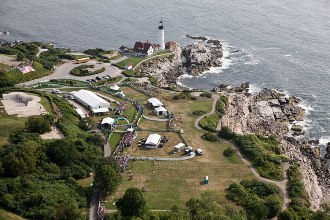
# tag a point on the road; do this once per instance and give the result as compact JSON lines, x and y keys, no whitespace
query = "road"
{"x":63,"y":72}
{"x":281,"y":184}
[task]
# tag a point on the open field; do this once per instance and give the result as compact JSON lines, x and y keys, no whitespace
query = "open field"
{"x":9,"y":124}
{"x":166,"y":151}
{"x":174,"y":182}
{"x":148,"y":124}
{"x":5,"y":215}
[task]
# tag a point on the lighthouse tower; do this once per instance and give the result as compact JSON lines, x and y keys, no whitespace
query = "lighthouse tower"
{"x":161,"y":39}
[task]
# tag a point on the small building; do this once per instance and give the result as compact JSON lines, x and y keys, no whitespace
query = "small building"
{"x":153,"y":141}
{"x":89,"y":99}
{"x":123,"y":49}
{"x":145,"y":48}
{"x":129,"y":66}
{"x":179,"y":147}
{"x":114,"y":87}
{"x":154,"y":103}
{"x":171,"y":45}
{"x":108,"y":122}
{"x":160,"y":111}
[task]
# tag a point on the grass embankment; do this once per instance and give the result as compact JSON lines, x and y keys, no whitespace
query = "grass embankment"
{"x":83,"y":70}
{"x":114,"y":140}
{"x":5,"y":215}
{"x":174,"y":182}
{"x":132,"y":60}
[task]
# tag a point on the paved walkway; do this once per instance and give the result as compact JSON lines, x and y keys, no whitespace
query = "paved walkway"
{"x":215,"y":98}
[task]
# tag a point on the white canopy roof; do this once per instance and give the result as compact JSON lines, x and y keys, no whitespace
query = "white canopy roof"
{"x":108,"y":120}
{"x":115,"y":87}
{"x":80,"y":113}
{"x":155,"y":102}
{"x":100,"y":110}
{"x":153,"y":139}
{"x":161,"y":109}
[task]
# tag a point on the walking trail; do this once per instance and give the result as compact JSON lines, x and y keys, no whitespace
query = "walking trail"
{"x":281,"y":184}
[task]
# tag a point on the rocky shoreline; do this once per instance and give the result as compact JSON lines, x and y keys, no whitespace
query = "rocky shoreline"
{"x":273,"y":113}
{"x":192,"y":59}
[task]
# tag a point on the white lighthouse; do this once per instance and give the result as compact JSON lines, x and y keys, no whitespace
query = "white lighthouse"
{"x":161,"y":35}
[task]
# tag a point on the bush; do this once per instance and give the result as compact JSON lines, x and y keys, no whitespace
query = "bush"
{"x":210,"y":137}
{"x":206,"y":94}
{"x":210,"y":122}
{"x":229,"y":152}
{"x":199,"y":112}
{"x":38,"y":124}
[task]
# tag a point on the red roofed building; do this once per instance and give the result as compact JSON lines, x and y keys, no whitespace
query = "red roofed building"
{"x":145,"y":48}
{"x":170,"y":45}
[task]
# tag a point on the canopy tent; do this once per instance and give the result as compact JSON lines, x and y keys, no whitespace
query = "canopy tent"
{"x":115,"y":87}
{"x":89,"y":99}
{"x":160,"y":110}
{"x":154,"y":102}
{"x":108,"y":121}
{"x":80,"y":113}
{"x":153,"y":141}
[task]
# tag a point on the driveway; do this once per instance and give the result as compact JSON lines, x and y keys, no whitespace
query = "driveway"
{"x":63,"y":72}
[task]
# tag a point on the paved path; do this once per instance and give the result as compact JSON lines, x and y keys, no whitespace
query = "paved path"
{"x":215,"y":98}
{"x":63,"y":72}
{"x":281,"y":184}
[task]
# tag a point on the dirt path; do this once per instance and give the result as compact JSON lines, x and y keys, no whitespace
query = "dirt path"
{"x":281,"y":184}
{"x":215,"y":98}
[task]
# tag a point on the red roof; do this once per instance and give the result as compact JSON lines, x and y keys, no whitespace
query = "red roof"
{"x":141,"y":47}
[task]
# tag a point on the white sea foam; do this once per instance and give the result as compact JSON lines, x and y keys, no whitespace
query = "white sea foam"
{"x":324,"y":140}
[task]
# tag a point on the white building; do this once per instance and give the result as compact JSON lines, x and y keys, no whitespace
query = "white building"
{"x":154,"y":102}
{"x":152,"y":141}
{"x":89,"y":99}
{"x":161,"y":35}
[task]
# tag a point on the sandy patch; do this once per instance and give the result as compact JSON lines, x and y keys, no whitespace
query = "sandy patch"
{"x":54,"y":134}
{"x":22,"y":104}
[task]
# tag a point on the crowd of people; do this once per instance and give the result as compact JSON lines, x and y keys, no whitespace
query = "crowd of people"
{"x":122,"y":161}
{"x":100,"y":210}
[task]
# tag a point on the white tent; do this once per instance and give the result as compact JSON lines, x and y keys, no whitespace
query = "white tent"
{"x":153,"y":141}
{"x":154,"y":102}
{"x":89,"y":99}
{"x":80,"y":113}
{"x":108,"y":120}
{"x":179,"y":147}
{"x":115,"y":87}
{"x":160,"y":110}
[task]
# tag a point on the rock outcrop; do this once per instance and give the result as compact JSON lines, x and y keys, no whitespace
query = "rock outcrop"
{"x":193,"y":59}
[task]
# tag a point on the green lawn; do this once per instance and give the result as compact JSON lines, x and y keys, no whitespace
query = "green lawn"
{"x":133,"y":60}
{"x":8,"y":124}
{"x":114,"y":140}
{"x":5,"y":215}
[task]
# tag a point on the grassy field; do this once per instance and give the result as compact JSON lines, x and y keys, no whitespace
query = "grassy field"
{"x":114,"y":140}
{"x":8,"y":124}
{"x":174,"y":182}
{"x":5,"y":215}
{"x":148,"y":124}
{"x":132,"y":60}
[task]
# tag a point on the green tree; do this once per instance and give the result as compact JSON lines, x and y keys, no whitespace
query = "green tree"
{"x":132,"y":204}
{"x":38,"y":124}
{"x":106,"y":179}
{"x":68,"y":210}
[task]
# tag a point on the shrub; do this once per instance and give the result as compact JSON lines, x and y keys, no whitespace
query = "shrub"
{"x":210,"y":137}
{"x":199,"y":112}
{"x":229,"y":152}
{"x":210,"y":122}
{"x":206,"y":94}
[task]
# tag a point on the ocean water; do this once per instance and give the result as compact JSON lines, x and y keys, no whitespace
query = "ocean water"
{"x":282,"y":44}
